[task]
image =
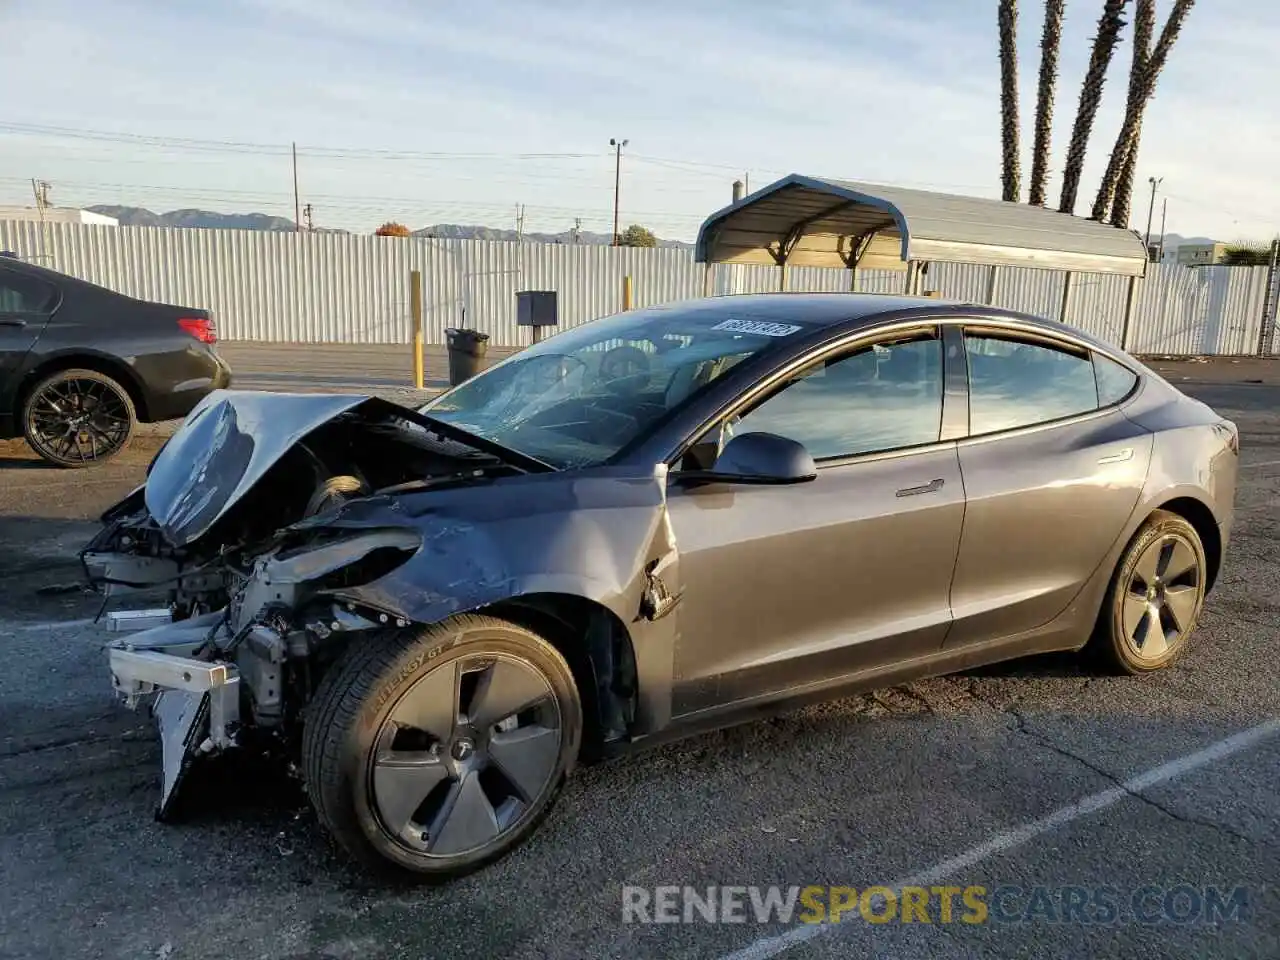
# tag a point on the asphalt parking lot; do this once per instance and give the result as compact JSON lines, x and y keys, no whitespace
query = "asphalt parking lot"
{"x":1031,"y":774}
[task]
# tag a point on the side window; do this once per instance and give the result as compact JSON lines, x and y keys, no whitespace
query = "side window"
{"x":878,"y":398}
{"x":1114,"y":380}
{"x":19,"y":294}
{"x":1017,"y":384}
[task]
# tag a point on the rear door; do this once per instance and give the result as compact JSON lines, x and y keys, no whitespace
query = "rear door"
{"x":1052,"y":470}
{"x":789,"y":586}
{"x":25,"y":306}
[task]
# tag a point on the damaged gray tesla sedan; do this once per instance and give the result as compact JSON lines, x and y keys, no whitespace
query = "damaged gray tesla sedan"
{"x":661,"y":521}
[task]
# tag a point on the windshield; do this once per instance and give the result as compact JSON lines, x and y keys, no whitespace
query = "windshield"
{"x":580,"y":396}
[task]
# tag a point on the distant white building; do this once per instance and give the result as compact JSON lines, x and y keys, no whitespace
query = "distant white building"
{"x":57,"y":215}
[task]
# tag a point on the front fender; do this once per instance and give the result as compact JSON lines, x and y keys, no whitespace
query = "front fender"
{"x":605,"y":538}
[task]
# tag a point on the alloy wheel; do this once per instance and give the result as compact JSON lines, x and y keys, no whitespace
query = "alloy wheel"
{"x":465,"y":754}
{"x":78,"y":421}
{"x":1159,"y":605}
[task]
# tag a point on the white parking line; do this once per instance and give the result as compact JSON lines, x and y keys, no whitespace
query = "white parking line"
{"x":50,"y":624}
{"x":1001,"y":842}
{"x":1263,"y":463}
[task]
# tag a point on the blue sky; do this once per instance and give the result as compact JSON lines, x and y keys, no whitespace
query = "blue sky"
{"x":486,"y":105}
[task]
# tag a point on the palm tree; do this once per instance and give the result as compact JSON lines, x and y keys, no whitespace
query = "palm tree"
{"x":1011,"y":176}
{"x":1144,"y":25}
{"x":1050,"y":41}
{"x":1126,"y":140}
{"x":1109,"y":26}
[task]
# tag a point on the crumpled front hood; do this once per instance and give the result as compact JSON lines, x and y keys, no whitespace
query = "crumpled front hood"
{"x":224,"y":447}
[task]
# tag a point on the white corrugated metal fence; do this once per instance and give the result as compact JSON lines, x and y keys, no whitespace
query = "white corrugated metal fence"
{"x":322,"y":287}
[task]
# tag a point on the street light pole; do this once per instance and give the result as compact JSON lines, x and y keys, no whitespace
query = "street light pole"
{"x":1151,"y":210}
{"x":1164,"y":213}
{"x":617,"y":182}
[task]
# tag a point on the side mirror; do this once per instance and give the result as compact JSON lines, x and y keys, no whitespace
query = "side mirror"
{"x":763,"y":458}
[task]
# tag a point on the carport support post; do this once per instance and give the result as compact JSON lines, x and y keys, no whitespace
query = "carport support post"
{"x":993,"y":285}
{"x":415,"y":308}
{"x":706,"y":279}
{"x":782,"y":275}
{"x":1067,"y":284}
{"x":1130,"y":305}
{"x":911,"y":283}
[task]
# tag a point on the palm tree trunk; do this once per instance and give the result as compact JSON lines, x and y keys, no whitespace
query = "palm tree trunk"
{"x":1124,"y":187}
{"x":1127,"y":138}
{"x":1011,"y":175}
{"x":1104,"y":43}
{"x":1050,"y":41}
{"x":1144,"y":27}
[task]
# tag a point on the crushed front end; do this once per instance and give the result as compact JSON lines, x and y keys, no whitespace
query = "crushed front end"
{"x":240,"y":548}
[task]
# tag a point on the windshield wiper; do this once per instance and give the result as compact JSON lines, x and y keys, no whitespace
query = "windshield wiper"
{"x":521,"y":461}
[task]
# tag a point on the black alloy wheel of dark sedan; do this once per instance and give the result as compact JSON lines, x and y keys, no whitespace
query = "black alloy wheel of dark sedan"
{"x":75,"y":418}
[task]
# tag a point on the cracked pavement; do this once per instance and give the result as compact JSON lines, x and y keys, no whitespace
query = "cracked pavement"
{"x":856,"y":792}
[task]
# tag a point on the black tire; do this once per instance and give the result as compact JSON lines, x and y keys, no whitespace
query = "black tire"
{"x":1154,"y":599}
{"x":352,"y":748}
{"x":76,"y":418}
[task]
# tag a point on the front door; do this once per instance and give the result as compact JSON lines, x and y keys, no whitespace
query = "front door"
{"x":788,"y":586}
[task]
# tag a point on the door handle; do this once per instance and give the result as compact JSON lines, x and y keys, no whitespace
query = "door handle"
{"x":12,"y":322}
{"x":1120,"y":456}
{"x":930,"y":487}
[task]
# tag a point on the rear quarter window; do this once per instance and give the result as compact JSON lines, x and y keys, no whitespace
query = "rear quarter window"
{"x":1115,"y":381}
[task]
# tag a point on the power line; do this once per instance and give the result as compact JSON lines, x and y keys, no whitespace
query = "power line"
{"x":240,"y":146}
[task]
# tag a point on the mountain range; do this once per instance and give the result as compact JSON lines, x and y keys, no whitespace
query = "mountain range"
{"x":207,"y":219}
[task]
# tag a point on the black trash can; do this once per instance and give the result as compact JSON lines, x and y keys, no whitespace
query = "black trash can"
{"x":466,"y":351}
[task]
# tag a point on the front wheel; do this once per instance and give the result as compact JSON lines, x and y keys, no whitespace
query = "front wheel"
{"x":435,"y":751}
{"x":1155,"y":597}
{"x":75,"y":418}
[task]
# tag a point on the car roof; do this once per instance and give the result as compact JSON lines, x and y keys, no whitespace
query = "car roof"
{"x":18,"y":265}
{"x":854,"y":310}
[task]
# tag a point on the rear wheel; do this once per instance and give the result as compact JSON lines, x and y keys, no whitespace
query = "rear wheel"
{"x":1155,"y":597}
{"x":75,"y":418}
{"x":435,"y":751}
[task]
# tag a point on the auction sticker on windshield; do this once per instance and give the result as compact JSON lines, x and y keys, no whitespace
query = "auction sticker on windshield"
{"x":760,"y":327}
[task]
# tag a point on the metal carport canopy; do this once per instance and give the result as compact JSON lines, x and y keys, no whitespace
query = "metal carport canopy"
{"x":814,"y":222}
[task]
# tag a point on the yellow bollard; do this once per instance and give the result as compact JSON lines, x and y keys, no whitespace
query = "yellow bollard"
{"x":415,"y":306}
{"x":626,"y":292}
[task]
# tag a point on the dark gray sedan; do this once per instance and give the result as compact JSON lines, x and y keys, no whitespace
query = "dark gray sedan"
{"x":662,"y":521}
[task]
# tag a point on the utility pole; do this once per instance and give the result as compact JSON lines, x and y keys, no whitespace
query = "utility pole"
{"x":519,"y":221}
{"x":297,"y":210}
{"x":617,"y":183}
{"x":577,"y":228}
{"x":40,"y":190}
{"x":1164,"y":213}
{"x":306,"y":212}
{"x":1151,"y":209}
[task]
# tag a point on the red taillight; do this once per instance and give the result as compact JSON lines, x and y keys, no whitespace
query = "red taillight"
{"x":199,"y":327}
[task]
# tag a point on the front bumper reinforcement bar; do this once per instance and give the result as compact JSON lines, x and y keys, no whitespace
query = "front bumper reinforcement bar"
{"x":197,"y":706}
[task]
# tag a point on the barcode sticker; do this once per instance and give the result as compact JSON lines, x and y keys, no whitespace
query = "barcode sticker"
{"x":761,"y":327}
